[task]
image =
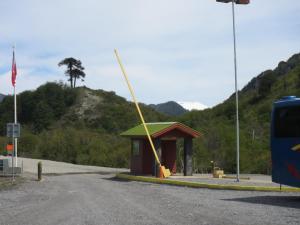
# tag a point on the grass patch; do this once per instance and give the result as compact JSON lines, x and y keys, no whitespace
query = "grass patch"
{"x":204,"y":185}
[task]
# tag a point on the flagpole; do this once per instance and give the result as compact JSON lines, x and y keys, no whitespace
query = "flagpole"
{"x":16,"y":139}
{"x":15,"y":117}
{"x":13,"y":162}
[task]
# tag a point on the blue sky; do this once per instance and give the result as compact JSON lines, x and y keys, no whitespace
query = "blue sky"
{"x":172,"y":49}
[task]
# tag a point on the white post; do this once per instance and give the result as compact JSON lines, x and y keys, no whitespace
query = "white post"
{"x":15,"y":139}
{"x":236,"y":99}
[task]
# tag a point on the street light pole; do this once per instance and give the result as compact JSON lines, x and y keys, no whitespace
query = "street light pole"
{"x":243,"y":2}
{"x":236,"y":99}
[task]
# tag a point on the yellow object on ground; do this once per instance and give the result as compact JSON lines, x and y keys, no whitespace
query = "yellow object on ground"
{"x":163,"y":172}
{"x":218,"y":173}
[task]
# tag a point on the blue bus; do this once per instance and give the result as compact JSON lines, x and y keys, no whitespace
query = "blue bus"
{"x":285,"y":141}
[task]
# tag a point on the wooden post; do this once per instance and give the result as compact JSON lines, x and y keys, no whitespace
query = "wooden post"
{"x":39,"y":171}
{"x":157,"y":145}
{"x":188,"y":157}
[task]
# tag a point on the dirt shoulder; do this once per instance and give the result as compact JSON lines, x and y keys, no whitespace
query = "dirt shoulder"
{"x":7,"y":183}
{"x":55,"y":168}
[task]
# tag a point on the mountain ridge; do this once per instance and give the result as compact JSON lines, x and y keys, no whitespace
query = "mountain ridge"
{"x":170,"y":108}
{"x":282,"y":68}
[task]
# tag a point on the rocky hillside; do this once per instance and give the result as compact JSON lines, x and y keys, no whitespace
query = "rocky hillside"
{"x":74,"y":125}
{"x":255,"y":105}
{"x":269,"y":76}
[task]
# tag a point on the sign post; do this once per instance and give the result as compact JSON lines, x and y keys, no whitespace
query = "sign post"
{"x":13,"y":131}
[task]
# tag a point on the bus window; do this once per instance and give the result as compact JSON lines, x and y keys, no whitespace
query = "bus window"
{"x":287,"y":122}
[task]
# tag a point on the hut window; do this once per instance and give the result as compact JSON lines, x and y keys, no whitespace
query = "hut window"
{"x":135,"y":148}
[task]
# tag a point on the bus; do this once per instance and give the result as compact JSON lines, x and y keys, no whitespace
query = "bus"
{"x":285,"y":141}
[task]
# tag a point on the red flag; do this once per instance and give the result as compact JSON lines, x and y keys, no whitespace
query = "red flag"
{"x":13,"y":70}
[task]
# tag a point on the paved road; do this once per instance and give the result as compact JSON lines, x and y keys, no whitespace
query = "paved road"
{"x":98,"y":199}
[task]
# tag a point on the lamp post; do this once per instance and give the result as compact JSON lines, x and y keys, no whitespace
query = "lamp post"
{"x":242,"y":2}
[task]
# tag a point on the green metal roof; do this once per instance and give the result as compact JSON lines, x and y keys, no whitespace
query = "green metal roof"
{"x":152,"y":128}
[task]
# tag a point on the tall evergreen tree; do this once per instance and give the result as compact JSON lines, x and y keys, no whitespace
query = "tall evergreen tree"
{"x":74,"y":70}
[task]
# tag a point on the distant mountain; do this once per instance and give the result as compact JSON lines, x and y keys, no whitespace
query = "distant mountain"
{"x":170,"y":108}
{"x":192,"y":105}
{"x":2,"y":96}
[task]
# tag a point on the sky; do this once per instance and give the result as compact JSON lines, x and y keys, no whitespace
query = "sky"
{"x":179,"y":50}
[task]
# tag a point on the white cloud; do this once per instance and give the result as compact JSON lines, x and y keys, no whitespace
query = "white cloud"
{"x":25,"y":81}
{"x":172,"y":49}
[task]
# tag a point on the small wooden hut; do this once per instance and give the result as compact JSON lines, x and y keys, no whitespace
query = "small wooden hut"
{"x":164,"y":136}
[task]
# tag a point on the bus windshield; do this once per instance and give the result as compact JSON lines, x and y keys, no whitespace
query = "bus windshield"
{"x":287,"y":122}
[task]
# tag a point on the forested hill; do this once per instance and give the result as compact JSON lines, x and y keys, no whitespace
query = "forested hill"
{"x":255,"y":104}
{"x":81,"y":125}
{"x":77,"y":125}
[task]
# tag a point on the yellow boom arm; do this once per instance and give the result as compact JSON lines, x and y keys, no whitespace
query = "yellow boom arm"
{"x":137,"y":107}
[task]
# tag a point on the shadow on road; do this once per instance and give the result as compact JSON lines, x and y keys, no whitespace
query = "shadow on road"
{"x":282,"y":201}
{"x":115,"y":179}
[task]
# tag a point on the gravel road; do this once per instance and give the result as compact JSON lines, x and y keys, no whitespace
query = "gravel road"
{"x":99,"y":199}
{"x":53,"y":167}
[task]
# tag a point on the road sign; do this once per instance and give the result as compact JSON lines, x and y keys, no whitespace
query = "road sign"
{"x":13,"y":130}
{"x":9,"y":147}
